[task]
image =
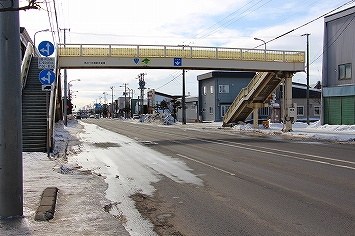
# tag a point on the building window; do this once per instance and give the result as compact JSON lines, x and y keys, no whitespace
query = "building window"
{"x":344,"y":71}
{"x":224,"y":109}
{"x":300,"y":111}
{"x":211,"y":110}
{"x":224,"y":89}
{"x":211,"y":89}
{"x":204,"y":90}
{"x":317,"y":111}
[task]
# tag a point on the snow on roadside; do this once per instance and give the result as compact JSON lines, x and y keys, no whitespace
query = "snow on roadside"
{"x":341,"y":133}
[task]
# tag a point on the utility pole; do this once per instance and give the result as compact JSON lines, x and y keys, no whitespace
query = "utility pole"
{"x":125,"y":100}
{"x":183,"y":98}
{"x":141,"y":87}
{"x":112,"y":107}
{"x":11,"y":177}
{"x":65,"y":86}
{"x":307,"y":93}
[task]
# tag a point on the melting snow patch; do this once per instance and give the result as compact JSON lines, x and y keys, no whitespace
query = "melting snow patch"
{"x":137,"y":166}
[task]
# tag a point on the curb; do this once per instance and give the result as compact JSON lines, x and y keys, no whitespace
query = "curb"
{"x":45,"y":211}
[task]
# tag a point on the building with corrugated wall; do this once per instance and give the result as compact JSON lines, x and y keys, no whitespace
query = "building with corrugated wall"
{"x":338,"y":80}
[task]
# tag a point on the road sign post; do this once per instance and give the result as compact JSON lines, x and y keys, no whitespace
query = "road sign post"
{"x":46,"y":77}
{"x":46,"y":48}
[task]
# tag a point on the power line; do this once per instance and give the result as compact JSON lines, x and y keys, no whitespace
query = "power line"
{"x":307,"y":23}
{"x":56,"y":19}
{"x":329,"y":43}
{"x":289,"y":16}
{"x":176,"y":76}
{"x":216,"y":24}
{"x":50,"y":21}
{"x":233,"y":20}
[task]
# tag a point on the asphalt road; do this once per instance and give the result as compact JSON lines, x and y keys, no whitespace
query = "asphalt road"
{"x":253,"y":185}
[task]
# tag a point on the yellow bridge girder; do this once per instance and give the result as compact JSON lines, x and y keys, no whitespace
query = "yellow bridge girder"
{"x":195,"y":52}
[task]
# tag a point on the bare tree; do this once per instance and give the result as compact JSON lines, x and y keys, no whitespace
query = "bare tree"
{"x":32,"y":4}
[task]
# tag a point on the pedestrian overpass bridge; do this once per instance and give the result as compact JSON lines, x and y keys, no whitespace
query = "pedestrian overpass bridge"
{"x":123,"y":56}
{"x":272,"y":66}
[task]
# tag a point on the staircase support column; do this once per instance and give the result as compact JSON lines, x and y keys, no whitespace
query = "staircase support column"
{"x":288,"y":102}
{"x":256,"y":117}
{"x":11,"y":177}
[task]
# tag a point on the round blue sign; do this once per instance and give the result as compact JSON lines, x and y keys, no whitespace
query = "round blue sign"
{"x":46,"y":77}
{"x":46,"y":48}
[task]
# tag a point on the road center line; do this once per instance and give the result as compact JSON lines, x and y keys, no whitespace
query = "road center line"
{"x":203,"y":163}
{"x":296,"y":153}
{"x":285,"y":155}
{"x":249,"y":147}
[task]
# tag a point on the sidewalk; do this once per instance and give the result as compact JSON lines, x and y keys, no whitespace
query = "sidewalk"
{"x":80,"y":208}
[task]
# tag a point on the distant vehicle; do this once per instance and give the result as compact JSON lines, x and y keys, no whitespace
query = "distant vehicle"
{"x":84,"y":116}
{"x":78,"y":116}
{"x":91,"y":116}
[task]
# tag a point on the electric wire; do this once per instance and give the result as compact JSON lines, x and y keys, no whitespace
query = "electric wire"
{"x":176,"y":76}
{"x":336,"y":36}
{"x":220,"y":21}
{"x":309,"y":22}
{"x":50,"y":21}
{"x":289,"y":16}
{"x":56,"y":20}
{"x":233,"y":20}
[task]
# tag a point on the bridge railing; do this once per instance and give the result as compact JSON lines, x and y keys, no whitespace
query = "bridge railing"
{"x":163,"y":51}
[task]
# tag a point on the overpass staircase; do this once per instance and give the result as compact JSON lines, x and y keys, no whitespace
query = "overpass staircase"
{"x":252,"y":97}
{"x":34,"y":112}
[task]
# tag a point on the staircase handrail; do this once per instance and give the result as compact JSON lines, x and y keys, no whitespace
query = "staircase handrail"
{"x":25,"y":65}
{"x":243,"y":93}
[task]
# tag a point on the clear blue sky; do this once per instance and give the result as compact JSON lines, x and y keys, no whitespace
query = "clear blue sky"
{"x":226,"y":23}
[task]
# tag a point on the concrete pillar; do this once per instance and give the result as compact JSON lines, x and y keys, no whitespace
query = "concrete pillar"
{"x":256,"y":117}
{"x":11,"y":177}
{"x":288,"y":102}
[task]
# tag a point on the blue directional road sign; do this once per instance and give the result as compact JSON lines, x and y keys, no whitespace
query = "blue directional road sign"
{"x":46,"y":48}
{"x":46,"y":77}
{"x":177,"y":61}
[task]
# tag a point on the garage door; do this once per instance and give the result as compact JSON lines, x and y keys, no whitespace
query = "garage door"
{"x":335,"y":111}
{"x":347,"y":110}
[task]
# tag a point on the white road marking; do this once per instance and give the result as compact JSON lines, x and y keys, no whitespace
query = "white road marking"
{"x":203,"y":163}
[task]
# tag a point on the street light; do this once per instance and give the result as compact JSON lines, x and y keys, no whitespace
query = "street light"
{"x":65,"y":92}
{"x":67,"y":96}
{"x":34,"y":36}
{"x":265,"y":46}
{"x":70,"y":84}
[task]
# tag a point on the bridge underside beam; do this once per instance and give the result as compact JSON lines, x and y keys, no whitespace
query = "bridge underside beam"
{"x":74,"y":62}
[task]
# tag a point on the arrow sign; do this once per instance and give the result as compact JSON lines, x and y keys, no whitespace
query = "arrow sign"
{"x":46,"y":77}
{"x":177,"y":61}
{"x":46,"y":48}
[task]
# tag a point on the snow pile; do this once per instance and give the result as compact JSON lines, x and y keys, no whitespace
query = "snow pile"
{"x":342,"y":133}
{"x":165,"y":118}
